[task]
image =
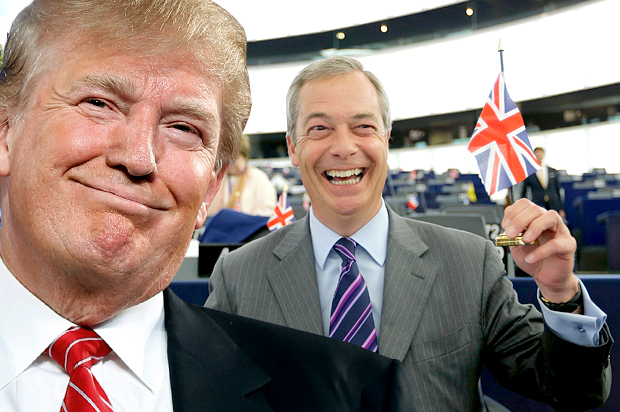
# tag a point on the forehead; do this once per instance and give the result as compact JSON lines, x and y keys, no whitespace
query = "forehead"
{"x":118,"y":69}
{"x":348,"y":94}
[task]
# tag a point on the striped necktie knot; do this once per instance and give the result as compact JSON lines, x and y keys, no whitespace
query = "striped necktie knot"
{"x":76,"y":350}
{"x":351,"y":314}
{"x":78,"y":346}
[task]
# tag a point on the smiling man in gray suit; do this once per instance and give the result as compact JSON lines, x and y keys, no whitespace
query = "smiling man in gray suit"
{"x":440,"y":301}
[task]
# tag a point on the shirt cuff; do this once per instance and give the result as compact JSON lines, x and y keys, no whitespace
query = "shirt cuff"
{"x":583,"y":330}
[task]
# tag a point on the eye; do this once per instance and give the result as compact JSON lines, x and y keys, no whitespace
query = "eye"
{"x":318,"y":131}
{"x":186,"y":128}
{"x":185,"y":135}
{"x":365,"y":129}
{"x":96,"y":102}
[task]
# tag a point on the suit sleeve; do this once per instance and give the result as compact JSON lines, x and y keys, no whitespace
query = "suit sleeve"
{"x":218,"y":295}
{"x":523,"y":354}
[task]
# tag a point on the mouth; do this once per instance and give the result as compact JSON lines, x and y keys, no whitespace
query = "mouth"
{"x":345,"y":177}
{"x":124,"y":198}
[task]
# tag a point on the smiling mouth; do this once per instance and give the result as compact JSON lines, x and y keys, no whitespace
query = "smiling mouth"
{"x":344,"y":177}
{"x":120,"y":196}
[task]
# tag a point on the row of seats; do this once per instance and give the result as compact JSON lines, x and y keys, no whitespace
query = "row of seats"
{"x":590,"y":201}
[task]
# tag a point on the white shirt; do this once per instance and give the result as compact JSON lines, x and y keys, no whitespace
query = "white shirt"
{"x":581,"y":330}
{"x":134,"y":375}
{"x":543,"y":175}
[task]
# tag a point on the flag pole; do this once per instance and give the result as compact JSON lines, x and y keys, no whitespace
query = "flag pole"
{"x":500,"y":49}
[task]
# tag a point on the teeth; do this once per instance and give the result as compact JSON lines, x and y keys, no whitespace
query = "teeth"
{"x":353,"y":181}
{"x":343,"y":173}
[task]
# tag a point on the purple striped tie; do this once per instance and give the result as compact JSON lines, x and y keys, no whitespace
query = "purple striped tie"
{"x":351,"y":319}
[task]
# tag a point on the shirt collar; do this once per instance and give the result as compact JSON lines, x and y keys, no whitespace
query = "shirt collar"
{"x":28,"y":326}
{"x":372,"y":237}
{"x":137,"y":337}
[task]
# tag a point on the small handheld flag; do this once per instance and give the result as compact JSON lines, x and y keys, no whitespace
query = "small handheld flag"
{"x":500,"y":143}
{"x":412,"y":201}
{"x":282,"y":214}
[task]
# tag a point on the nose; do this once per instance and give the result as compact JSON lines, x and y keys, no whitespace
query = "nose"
{"x":343,"y":143}
{"x":133,"y":146}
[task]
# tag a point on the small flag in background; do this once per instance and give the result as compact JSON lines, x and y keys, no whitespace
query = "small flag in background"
{"x":500,"y":144}
{"x":282,"y":215}
{"x":237,"y":205}
{"x":412,"y":201}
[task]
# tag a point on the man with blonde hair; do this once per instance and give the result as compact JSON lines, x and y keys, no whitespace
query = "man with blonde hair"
{"x":118,"y":119}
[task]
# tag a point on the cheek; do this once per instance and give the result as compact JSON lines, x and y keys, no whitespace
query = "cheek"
{"x":188,"y":177}
{"x":69,"y":142}
{"x":310,"y":152}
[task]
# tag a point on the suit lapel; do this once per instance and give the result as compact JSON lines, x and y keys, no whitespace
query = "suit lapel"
{"x":408,"y":281}
{"x":207,"y":370}
{"x":294,"y":282}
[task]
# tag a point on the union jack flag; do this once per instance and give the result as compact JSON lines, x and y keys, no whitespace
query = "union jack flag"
{"x":500,"y":144}
{"x":282,"y":214}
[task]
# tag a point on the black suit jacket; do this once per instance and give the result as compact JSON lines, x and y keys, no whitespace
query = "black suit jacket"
{"x":548,"y":198}
{"x":224,"y":362}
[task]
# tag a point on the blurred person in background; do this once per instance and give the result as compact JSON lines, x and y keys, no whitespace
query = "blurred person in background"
{"x":544,"y":186}
{"x":245,"y":188}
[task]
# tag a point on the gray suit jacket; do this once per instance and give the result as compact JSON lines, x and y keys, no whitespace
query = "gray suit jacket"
{"x":447,"y":310}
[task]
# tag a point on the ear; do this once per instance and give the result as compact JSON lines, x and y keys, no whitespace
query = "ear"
{"x":214,"y":186}
{"x":5,"y":156}
{"x":291,"y":150}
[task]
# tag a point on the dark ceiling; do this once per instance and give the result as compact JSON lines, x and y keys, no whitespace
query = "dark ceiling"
{"x":402,"y":30}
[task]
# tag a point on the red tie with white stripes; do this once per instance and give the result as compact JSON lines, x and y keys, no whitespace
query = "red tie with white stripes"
{"x":77,"y":350}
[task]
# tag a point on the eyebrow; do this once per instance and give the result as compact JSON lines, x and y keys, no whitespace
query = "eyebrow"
{"x":114,"y":84}
{"x":193,"y":109}
{"x":322,"y":115}
{"x":127,"y":89}
{"x":362,"y":116}
{"x":315,"y":115}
